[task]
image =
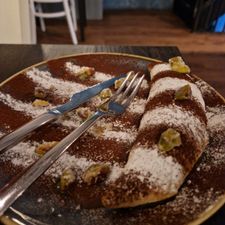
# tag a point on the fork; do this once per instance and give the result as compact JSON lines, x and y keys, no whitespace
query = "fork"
{"x":116,"y":105}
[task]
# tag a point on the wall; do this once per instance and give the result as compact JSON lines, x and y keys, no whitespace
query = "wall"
{"x":15,"y":22}
{"x":138,"y":4}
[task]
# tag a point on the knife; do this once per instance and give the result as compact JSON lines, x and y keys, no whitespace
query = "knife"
{"x":76,"y":100}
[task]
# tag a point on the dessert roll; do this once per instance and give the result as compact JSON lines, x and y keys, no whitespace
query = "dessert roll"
{"x":171,"y":137}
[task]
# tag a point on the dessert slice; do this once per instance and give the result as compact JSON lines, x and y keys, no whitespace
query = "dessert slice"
{"x":172,"y":136}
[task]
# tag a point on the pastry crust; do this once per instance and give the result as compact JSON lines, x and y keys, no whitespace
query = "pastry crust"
{"x":151,"y":175}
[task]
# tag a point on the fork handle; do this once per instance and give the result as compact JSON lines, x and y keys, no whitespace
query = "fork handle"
{"x":12,"y":190}
{"x":19,"y":134}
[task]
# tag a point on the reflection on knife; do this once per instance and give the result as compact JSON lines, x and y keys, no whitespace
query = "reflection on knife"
{"x":76,"y":100}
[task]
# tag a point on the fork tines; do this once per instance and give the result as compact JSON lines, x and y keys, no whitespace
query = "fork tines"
{"x":129,"y":88}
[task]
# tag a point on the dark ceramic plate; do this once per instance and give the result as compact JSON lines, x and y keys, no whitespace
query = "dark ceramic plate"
{"x":201,"y":195}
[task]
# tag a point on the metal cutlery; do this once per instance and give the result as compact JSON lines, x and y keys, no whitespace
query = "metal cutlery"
{"x":76,"y":100}
{"x":116,"y":105}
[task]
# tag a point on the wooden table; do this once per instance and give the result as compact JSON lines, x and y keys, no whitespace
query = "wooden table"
{"x":17,"y":57}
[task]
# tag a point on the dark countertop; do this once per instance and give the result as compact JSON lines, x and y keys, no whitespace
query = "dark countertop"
{"x":17,"y":57}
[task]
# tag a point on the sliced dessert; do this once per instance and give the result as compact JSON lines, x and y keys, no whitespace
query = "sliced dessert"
{"x":172,"y":136}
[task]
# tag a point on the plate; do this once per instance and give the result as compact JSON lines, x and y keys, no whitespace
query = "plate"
{"x":202,"y":194}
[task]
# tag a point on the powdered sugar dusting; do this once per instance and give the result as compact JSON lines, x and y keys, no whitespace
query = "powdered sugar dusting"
{"x":113,"y":130}
{"x":175,"y":116}
{"x":116,"y":171}
{"x":20,"y":106}
{"x":61,"y":87}
{"x":67,"y":89}
{"x":196,"y":196}
{"x":77,"y":164}
{"x":100,"y":77}
{"x":190,"y":201}
{"x":97,"y":76}
{"x":105,"y":130}
{"x":160,"y":170}
{"x":69,"y":161}
{"x":72,"y":120}
{"x":144,"y":84}
{"x":21,"y":154}
{"x":204,"y":87}
{"x":159,"y":68}
{"x":120,"y":135}
{"x":215,"y":151}
{"x":137,"y":106}
{"x":216,"y":118}
{"x":170,"y":83}
{"x":72,"y":68}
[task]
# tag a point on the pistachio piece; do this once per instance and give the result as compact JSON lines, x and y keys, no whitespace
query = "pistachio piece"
{"x":67,"y":177}
{"x":118,"y":83}
{"x":44,"y":147}
{"x":177,"y":64}
{"x":169,"y":139}
{"x":40,"y":92}
{"x":97,"y":130}
{"x":83,"y":76}
{"x":176,"y":60}
{"x":181,"y":68}
{"x":96,"y":173}
{"x":183,"y":93}
{"x":52,"y":88}
{"x":89,"y":70}
{"x":40,"y":103}
{"x":105,"y":93}
{"x":83,"y":112}
{"x":104,"y":106}
{"x":85,"y":72}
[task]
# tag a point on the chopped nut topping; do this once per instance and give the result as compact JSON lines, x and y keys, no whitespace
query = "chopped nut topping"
{"x":105,"y":93}
{"x":108,"y":126}
{"x":96,"y":173}
{"x":40,"y":92}
{"x":169,"y":139}
{"x":177,"y":64}
{"x":52,"y":88}
{"x":118,"y":83}
{"x":40,"y":103}
{"x":85,"y":72}
{"x":84,"y":112}
{"x":66,"y":178}
{"x":97,"y":130}
{"x":183,"y":93}
{"x":104,"y":105}
{"x":44,"y":147}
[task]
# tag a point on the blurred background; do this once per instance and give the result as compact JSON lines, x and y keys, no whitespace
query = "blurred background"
{"x":196,"y":27}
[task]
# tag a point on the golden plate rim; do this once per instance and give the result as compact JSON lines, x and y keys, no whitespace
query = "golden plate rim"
{"x":204,"y":215}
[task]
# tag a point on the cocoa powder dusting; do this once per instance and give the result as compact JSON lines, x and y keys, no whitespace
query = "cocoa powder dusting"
{"x":202,"y":188}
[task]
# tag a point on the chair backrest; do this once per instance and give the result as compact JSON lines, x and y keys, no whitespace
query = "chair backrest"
{"x":47,"y":14}
{"x":36,"y":11}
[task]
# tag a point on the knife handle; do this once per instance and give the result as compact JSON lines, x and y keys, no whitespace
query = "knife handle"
{"x":20,"y":133}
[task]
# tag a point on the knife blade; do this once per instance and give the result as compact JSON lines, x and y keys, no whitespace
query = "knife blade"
{"x":77,"y":99}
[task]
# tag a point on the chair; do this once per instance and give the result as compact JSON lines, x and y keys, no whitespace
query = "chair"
{"x":68,"y":11}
